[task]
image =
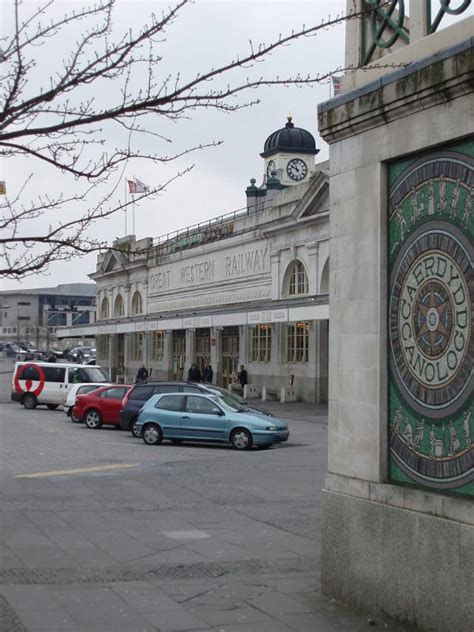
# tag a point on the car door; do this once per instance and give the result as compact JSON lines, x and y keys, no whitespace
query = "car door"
{"x":169,"y":410}
{"x":202,"y":419}
{"x":111,"y":403}
{"x":54,"y":379}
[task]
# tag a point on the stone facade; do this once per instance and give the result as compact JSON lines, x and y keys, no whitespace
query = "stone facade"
{"x":389,"y":542}
{"x":250,"y":288}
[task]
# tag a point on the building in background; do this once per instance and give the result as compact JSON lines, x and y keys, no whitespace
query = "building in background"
{"x":249,"y":288}
{"x":33,"y":316}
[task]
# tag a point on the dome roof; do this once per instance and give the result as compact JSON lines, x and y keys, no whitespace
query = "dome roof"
{"x":290,"y":138}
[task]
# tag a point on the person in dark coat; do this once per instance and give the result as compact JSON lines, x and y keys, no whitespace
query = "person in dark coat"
{"x":194,"y":374}
{"x":242,"y":377}
{"x":142,"y":374}
{"x":208,"y":374}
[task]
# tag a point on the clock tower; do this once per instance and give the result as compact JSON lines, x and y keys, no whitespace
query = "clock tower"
{"x":288,"y":154}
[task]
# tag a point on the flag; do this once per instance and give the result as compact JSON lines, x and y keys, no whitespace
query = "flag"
{"x":3,"y":188}
{"x":140,"y":186}
{"x":336,"y":85}
{"x":137,"y":186}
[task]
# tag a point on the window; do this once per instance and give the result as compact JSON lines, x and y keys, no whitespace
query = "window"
{"x":115,"y":393}
{"x":170,"y":402}
{"x":191,"y":389}
{"x":297,"y":279}
{"x":157,"y":345}
{"x":29,"y":373}
{"x":54,"y":374}
{"x":167,"y":388}
{"x":119,"y":308}
{"x":201,"y":405}
{"x":141,"y":393}
{"x":104,"y":308}
{"x":136,"y":349}
{"x":297,"y":342}
{"x":260,"y":343}
{"x":82,"y":390}
{"x":137,"y":304}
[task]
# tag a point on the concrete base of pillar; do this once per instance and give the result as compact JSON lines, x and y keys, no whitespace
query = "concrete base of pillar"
{"x":413,"y":566}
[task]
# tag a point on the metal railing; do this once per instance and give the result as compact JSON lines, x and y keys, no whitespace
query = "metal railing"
{"x":213,"y":229}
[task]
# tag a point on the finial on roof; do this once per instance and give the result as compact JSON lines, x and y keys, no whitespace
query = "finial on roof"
{"x":289,"y":119}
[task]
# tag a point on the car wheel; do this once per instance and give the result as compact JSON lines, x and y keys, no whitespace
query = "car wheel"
{"x":241,"y":439}
{"x":52,"y":406}
{"x":176,"y":441}
{"x":29,"y":401}
{"x":92,"y":419}
{"x":152,"y":434}
{"x":133,"y":427}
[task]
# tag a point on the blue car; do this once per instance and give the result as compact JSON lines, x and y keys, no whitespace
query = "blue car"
{"x":200,"y":417}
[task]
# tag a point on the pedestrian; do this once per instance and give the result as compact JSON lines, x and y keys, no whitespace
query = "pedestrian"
{"x":242,"y":377}
{"x":207,"y":374}
{"x":142,"y":374}
{"x":51,"y":357}
{"x":194,"y":374}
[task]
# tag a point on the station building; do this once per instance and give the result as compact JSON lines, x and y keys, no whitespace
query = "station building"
{"x":249,"y":288}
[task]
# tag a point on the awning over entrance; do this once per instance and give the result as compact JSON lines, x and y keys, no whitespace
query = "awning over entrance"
{"x":309,"y":311}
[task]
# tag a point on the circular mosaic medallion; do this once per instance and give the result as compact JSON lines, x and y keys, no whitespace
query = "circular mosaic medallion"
{"x":430,"y":320}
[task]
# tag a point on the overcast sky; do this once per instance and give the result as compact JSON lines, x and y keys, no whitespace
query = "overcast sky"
{"x":207,"y":34}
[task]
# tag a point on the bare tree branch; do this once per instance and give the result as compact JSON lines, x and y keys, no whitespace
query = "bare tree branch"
{"x":108,"y":81}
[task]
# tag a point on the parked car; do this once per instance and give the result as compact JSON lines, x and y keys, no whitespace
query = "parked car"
{"x":201,"y":417}
{"x":140,"y":393}
{"x":74,"y":391}
{"x":80,"y":354}
{"x":48,"y":383}
{"x":101,"y":406}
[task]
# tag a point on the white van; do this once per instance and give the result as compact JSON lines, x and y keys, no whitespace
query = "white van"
{"x":48,"y":383}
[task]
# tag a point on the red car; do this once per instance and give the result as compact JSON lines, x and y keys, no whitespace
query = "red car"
{"x":102,"y":406}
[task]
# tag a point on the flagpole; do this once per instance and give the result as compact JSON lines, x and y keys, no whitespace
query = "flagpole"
{"x":133,"y":210}
{"x":125,"y":209}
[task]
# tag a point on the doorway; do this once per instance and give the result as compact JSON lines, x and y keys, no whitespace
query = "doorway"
{"x":230,"y":355}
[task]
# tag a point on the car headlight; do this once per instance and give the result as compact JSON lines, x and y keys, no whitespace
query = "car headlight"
{"x":271,"y":428}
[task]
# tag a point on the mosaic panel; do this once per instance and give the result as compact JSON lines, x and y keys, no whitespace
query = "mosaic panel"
{"x":430,"y":313}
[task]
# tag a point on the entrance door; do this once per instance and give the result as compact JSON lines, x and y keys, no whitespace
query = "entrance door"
{"x":203,"y":348}
{"x":230,"y":355}
{"x":179,"y":354}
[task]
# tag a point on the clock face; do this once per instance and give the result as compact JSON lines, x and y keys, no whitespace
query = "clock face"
{"x":297,"y":169}
{"x":271,"y":167}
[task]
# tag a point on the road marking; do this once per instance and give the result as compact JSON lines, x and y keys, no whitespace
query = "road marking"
{"x":79,"y":470}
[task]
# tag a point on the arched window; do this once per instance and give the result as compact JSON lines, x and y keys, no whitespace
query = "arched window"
{"x":104,"y":309}
{"x":324,"y":285}
{"x":119,"y":308}
{"x":297,"y":279}
{"x":137,"y":304}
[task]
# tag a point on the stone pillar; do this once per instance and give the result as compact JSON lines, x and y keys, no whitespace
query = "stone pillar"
{"x":146,"y":348}
{"x":190,"y":348}
{"x":313,"y":267}
{"x":418,"y":21}
{"x":126,"y":358}
{"x":216,"y":354}
{"x":243,"y":345}
{"x":112,"y":357}
{"x":275,"y":275}
{"x":126,"y":299}
{"x":168,"y":354}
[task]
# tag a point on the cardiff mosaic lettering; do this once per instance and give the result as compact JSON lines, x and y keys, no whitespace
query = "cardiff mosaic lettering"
{"x":430,"y":233}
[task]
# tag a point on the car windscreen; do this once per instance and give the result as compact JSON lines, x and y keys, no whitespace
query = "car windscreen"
{"x":230,"y":403}
{"x":87,"y":374}
{"x":227,"y":394}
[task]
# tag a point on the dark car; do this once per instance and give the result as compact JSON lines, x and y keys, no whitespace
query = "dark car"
{"x":141,"y":393}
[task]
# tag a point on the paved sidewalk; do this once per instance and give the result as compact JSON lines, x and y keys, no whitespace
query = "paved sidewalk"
{"x":187,"y":539}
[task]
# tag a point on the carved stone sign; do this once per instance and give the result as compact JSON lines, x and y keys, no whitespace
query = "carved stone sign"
{"x":430,"y":320}
{"x":208,"y":269}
